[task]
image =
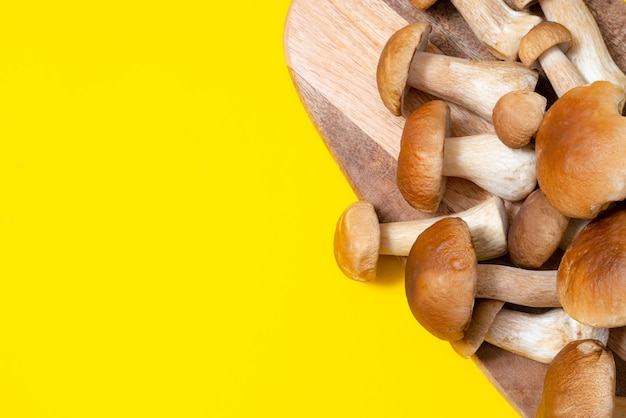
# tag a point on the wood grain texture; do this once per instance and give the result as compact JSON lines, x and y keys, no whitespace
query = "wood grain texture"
{"x":332,"y":49}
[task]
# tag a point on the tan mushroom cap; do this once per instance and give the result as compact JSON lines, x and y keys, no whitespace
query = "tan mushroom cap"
{"x":440,"y":278}
{"x":357,"y":240}
{"x":581,"y":150}
{"x":591,"y":278}
{"x":541,"y":38}
{"x":535,"y":232}
{"x":580,"y":382}
{"x":395,"y":60}
{"x":420,"y":161}
{"x":517,"y":116}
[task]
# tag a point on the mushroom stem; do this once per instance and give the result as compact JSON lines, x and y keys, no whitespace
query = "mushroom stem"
{"x":360,"y":238}
{"x":588,"y":51}
{"x":532,"y":288}
{"x":539,"y":336}
{"x":487,"y":222}
{"x":563,"y":75}
{"x":499,"y":169}
{"x":496,"y":25}
{"x":476,"y":85}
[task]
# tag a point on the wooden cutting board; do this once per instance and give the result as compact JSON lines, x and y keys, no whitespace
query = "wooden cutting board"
{"x":332,"y":49}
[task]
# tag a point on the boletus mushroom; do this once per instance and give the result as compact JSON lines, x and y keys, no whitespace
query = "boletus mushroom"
{"x":360,"y":238}
{"x":474,"y":84}
{"x":545,"y":45}
{"x":588,"y":51}
{"x":443,"y":279}
{"x":428,"y":155}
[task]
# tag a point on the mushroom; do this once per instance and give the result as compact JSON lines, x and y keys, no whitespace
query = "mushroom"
{"x":476,"y":85}
{"x":591,"y":278}
{"x":495,"y":24}
{"x":581,"y":150}
{"x":443,"y":278}
{"x":517,"y":116}
{"x":427,"y":155}
{"x":535,"y":232}
{"x":580,"y":382}
{"x":545,"y":45}
{"x":360,"y":238}
{"x":588,"y":51}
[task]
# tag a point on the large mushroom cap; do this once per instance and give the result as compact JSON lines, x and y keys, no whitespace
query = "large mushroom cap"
{"x":420,"y":161}
{"x":591,"y":278}
{"x":440,"y":278}
{"x":581,"y":150}
{"x":395,"y":61}
{"x":357,"y":240}
{"x":541,"y":38}
{"x":580,"y":382}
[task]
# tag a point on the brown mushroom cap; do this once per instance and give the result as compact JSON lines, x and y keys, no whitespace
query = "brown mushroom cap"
{"x":440,"y":278}
{"x":420,"y":161}
{"x":517,"y":116}
{"x":580,"y":382}
{"x":581,"y":150}
{"x":535,"y":232}
{"x":541,"y":38}
{"x":395,"y":60}
{"x":357,"y":240}
{"x":591,"y":278}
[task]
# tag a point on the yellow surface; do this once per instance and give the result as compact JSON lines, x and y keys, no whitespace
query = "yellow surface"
{"x":166,"y":221}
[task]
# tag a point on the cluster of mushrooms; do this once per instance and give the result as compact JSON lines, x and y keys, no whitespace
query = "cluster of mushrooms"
{"x":556,"y":176}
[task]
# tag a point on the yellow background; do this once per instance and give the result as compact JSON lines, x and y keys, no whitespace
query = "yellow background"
{"x":166,"y":221}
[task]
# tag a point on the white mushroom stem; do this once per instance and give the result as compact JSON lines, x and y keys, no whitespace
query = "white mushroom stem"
{"x":535,"y":288}
{"x":588,"y":51}
{"x":496,"y":25}
{"x":501,"y":170}
{"x":561,"y":72}
{"x":476,"y":85}
{"x":487,"y":222}
{"x":541,"y":336}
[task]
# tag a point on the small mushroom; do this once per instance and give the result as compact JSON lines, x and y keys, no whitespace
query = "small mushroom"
{"x":476,"y":85}
{"x":588,"y":51}
{"x":591,"y":278}
{"x":581,"y":150}
{"x":427,"y":155}
{"x":517,"y":116}
{"x":495,"y":24}
{"x":545,"y":45}
{"x":580,"y":382}
{"x":536,"y":231}
{"x":360,"y":238}
{"x":443,"y":278}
